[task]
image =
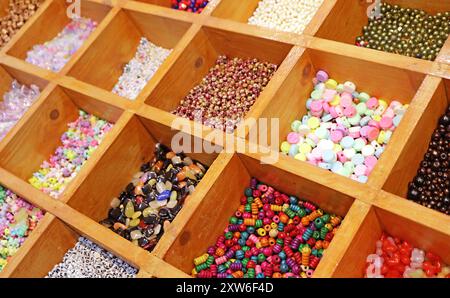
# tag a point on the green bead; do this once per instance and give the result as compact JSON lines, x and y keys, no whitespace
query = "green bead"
{"x":245,"y":248}
{"x":233,"y":220}
{"x":301,"y":212}
{"x":261,"y":258}
{"x":228,"y":235}
{"x":316,"y":235}
{"x":258,"y":223}
{"x":318,"y":222}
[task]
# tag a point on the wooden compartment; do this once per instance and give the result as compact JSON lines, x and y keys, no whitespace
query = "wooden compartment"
{"x":347,"y":18}
{"x":385,"y":82}
{"x":51,"y":22}
{"x":48,"y":250}
{"x":133,"y":146}
{"x":214,"y":211}
{"x":9,"y":74}
{"x":102,"y":64}
{"x":40,"y":135}
{"x":235,"y":10}
{"x":378,"y":220}
{"x":406,"y":166}
{"x":197,"y":41}
{"x":200,"y":55}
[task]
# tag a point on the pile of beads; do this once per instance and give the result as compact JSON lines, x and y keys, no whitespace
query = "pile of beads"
{"x":196,"y":6}
{"x":270,"y":235}
{"x":395,"y":258}
{"x":431,"y":186}
{"x":406,"y":31}
{"x":18,"y":13}
{"x":140,"y":69}
{"x":79,"y":142}
{"x":227,"y":92}
{"x":285,"y":15}
{"x":87,"y":260}
{"x":154,"y":197}
{"x":344,"y":131}
{"x":54,"y":54}
{"x":15,"y":103}
{"x":17,"y":220}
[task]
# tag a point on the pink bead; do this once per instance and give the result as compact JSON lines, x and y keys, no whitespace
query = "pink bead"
{"x":373,"y":133}
{"x":326,"y":107}
{"x":346,"y":100}
{"x":350,"y":111}
{"x":329,"y":94}
{"x":293,"y":138}
{"x":389,"y":113}
{"x":364,"y":131}
{"x":360,"y":170}
{"x":374,"y":123}
{"x":339,"y":111}
{"x":316,"y":106}
{"x":386,"y":122}
{"x":372,"y":103}
{"x":341,"y":156}
{"x":333,"y":112}
{"x":370,"y":161}
{"x":336,"y":136}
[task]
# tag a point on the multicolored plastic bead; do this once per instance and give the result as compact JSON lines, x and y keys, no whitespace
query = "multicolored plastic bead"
{"x":344,"y":131}
{"x":78,"y":143}
{"x":299,"y":233}
{"x":195,"y":6}
{"x":18,"y":219}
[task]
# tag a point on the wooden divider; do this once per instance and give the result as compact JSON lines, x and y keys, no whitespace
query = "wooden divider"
{"x":197,"y":39}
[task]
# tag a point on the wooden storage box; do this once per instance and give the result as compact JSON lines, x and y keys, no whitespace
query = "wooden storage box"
{"x":197,"y":40}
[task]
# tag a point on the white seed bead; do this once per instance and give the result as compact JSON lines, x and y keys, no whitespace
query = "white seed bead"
{"x":285,"y":15}
{"x":140,"y":69}
{"x":87,"y":260}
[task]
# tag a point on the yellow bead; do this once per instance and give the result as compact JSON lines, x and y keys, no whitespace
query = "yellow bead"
{"x":381,"y":137}
{"x":313,"y":122}
{"x":261,"y":232}
{"x":376,"y":118}
{"x":336,"y":100}
{"x":300,"y":156}
{"x":383,"y":103}
{"x":285,"y":146}
{"x":305,"y":148}
{"x":273,"y":233}
{"x":337,"y":148}
{"x":331,"y":84}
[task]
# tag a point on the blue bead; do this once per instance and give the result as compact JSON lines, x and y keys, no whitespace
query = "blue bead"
{"x":164,"y":195}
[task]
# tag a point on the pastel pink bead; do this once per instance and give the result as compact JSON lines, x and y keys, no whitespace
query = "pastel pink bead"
{"x":346,"y":100}
{"x":370,"y":161}
{"x":360,"y":170}
{"x":316,"y":106}
{"x":373,"y":133}
{"x":386,"y":122}
{"x":329,"y":94}
{"x":372,"y":103}
{"x":326,"y":107}
{"x":364,"y":130}
{"x":333,"y":112}
{"x":293,"y":138}
{"x":350,"y":111}
{"x":374,"y":123}
{"x":341,"y":156}
{"x":389,"y":113}
{"x":336,"y":136}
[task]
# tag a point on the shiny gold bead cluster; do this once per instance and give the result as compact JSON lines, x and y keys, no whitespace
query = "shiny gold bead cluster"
{"x":406,"y":31}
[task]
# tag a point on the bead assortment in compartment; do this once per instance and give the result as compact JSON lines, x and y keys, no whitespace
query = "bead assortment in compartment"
{"x":285,"y":15}
{"x":431,"y":186}
{"x":18,"y":219}
{"x":406,"y":31}
{"x":396,"y":258}
{"x":79,"y":142}
{"x":88,"y":260}
{"x":195,"y":6}
{"x":345,"y":131}
{"x":155,"y":196}
{"x":227,"y":93}
{"x":18,"y":13}
{"x":270,"y":235}
{"x":140,"y":69}
{"x":54,"y":54}
{"x":15,"y":103}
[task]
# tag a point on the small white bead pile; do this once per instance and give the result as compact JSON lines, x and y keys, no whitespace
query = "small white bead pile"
{"x":87,"y":260}
{"x":285,"y":15}
{"x":140,"y":69}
